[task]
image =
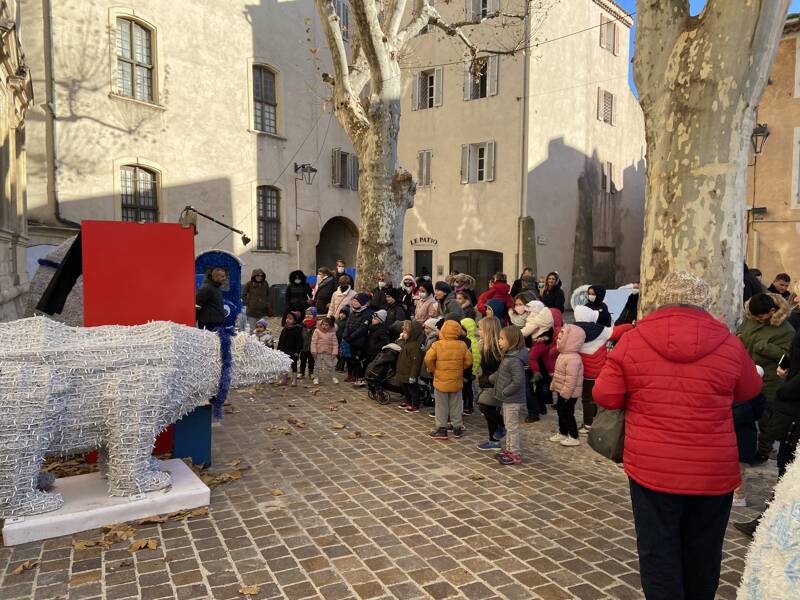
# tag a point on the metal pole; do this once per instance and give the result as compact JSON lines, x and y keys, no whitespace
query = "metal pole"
{"x":296,"y":221}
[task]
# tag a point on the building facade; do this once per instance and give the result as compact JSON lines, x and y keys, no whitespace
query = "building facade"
{"x":530,"y":159}
{"x":773,"y":177}
{"x":16,"y":94}
{"x":145,"y":107}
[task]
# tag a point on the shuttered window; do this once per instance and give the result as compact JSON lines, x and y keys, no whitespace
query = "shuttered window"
{"x":134,"y":60}
{"x":426,"y":89}
{"x":478,"y":162}
{"x":476,"y":10}
{"x":609,"y":34}
{"x":344,"y":169}
{"x":424,"y":168}
{"x":606,"y":107}
{"x":265,"y":103}
{"x":139,"y":194}
{"x":269,"y":218}
{"x":481,"y":77}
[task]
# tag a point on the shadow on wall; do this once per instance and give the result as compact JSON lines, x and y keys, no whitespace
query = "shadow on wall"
{"x":586,"y":227}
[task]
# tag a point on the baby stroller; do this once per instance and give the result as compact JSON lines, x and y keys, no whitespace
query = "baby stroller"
{"x":380,"y":373}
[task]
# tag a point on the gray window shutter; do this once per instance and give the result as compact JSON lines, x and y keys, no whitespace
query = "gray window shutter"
{"x":336,"y":167}
{"x":473,"y":10}
{"x":353,"y":171}
{"x":616,"y":40}
{"x":437,"y":86}
{"x":494,"y":74}
{"x":415,"y":91}
{"x":421,"y":168}
{"x":602,"y":31}
{"x":599,"y":104}
{"x":428,"y":177}
{"x":465,"y":163}
{"x":467,"y":80}
{"x":490,"y":161}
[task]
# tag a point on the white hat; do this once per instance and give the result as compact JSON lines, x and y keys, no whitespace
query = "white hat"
{"x":535,"y":306}
{"x":381,"y":315}
{"x":584,"y":314}
{"x":431,"y":323}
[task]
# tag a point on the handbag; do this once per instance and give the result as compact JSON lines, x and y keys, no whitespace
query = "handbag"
{"x":487,"y":397}
{"x":607,"y":436}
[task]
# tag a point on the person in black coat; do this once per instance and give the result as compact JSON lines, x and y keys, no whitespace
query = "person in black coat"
{"x":378,"y":300}
{"x":407,"y":290}
{"x":517,"y":287}
{"x":291,"y":341}
{"x":378,"y":335}
{"x":298,"y":293}
{"x":356,"y":334}
{"x":395,"y":311}
{"x":553,"y":295}
{"x":209,"y":303}
{"x":596,"y":295}
{"x":631,"y":311}
{"x":752,"y":285}
{"x":326,"y":285}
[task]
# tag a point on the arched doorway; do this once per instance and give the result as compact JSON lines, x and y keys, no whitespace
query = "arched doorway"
{"x":481,"y":264}
{"x":338,"y":239}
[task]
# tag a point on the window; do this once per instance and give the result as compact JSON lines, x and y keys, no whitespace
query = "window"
{"x":480,"y":9}
{"x":606,"y":109}
{"x":344,"y":169}
{"x":134,"y":60}
{"x":269,"y":219}
{"x":481,"y":77}
{"x":426,"y":91}
{"x":607,"y":182}
{"x":343,"y":10}
{"x":477,"y":162}
{"x":265,"y":104}
{"x":424,"y":168}
{"x":139,"y":194}
{"x":609,"y":35}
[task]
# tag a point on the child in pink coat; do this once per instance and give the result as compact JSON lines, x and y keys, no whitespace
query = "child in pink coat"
{"x":568,"y":383}
{"x":325,"y":348}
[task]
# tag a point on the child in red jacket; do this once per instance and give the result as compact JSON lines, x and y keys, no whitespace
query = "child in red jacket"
{"x":499,"y":290}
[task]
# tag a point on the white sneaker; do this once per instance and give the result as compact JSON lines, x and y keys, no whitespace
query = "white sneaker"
{"x":316,"y":380}
{"x":300,"y":376}
{"x":335,"y":380}
{"x":570,"y":441}
{"x":557,"y":438}
{"x":739,"y":500}
{"x":584,"y":430}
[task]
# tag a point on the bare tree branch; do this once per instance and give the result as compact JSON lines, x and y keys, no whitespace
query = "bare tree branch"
{"x":373,"y":40}
{"x":395,"y":17}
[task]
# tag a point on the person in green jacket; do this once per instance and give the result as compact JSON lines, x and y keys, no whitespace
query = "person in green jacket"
{"x":767,"y":337}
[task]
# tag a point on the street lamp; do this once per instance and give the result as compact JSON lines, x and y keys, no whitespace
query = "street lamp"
{"x":304,"y":173}
{"x":759,"y":137}
{"x":189,"y":215}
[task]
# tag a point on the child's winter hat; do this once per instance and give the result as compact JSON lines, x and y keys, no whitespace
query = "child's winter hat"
{"x":431,"y":323}
{"x":536,"y":306}
{"x":262,"y":323}
{"x":443,"y":286}
{"x":312,"y":310}
{"x":683,"y":288}
{"x":584,"y":314}
{"x":363,"y":298}
{"x":297,"y":316}
{"x":381,"y":315}
{"x":394,"y":293}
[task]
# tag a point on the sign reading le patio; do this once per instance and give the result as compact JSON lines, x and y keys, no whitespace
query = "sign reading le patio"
{"x":424,"y":240}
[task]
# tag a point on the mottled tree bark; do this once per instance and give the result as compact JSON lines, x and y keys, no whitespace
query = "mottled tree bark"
{"x":367,"y":87}
{"x":700,"y":80}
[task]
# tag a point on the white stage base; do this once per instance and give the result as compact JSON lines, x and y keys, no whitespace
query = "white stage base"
{"x":87,"y":505}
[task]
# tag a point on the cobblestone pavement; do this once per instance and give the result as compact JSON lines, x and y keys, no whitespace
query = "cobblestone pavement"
{"x":376,"y":509}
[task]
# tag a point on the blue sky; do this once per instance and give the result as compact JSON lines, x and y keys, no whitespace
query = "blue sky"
{"x":697,"y":6}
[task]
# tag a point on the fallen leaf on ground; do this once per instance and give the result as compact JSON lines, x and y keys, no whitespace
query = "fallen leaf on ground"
{"x":342,"y":401}
{"x":277,"y":492}
{"x":220,"y":478}
{"x":235,"y":463}
{"x":249,"y":590}
{"x":291,"y":405}
{"x":475,"y":477}
{"x":118,"y":533}
{"x":86,"y":544}
{"x":182,"y":515}
{"x":354,"y":434}
{"x":376,"y":434}
{"x":26,"y":566}
{"x":339,"y":425}
{"x":149,"y":543}
{"x":333,"y":408}
{"x":296,"y":422}
{"x":315,"y":392}
{"x":152,"y":520}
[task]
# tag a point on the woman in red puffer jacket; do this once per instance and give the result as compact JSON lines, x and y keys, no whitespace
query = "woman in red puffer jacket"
{"x":677,"y":375}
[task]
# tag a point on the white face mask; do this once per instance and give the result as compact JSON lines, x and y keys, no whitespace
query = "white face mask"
{"x":340,"y":269}
{"x":592,"y":297}
{"x":298,"y":281}
{"x":381,"y":284}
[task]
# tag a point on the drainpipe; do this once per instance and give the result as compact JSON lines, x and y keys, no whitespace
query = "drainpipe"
{"x":51,"y":108}
{"x":523,"y":188}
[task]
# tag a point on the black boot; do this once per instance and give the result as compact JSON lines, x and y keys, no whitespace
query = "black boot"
{"x":749,"y":527}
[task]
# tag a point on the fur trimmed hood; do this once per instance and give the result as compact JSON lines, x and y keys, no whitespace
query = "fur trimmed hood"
{"x":783,"y":312}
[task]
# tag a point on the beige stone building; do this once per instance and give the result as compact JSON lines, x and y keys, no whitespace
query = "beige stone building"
{"x":146,"y":106}
{"x":16,"y":94}
{"x":532,"y":159}
{"x":773,"y":194}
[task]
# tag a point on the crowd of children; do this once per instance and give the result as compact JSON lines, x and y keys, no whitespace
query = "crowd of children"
{"x":501,"y":352}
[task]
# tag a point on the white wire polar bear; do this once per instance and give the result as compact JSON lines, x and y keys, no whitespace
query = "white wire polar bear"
{"x":66,"y":389}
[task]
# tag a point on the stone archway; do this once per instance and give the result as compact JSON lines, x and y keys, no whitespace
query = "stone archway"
{"x":338,"y":239}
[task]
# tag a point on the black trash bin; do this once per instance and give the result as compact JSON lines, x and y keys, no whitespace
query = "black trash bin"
{"x":277,"y":299}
